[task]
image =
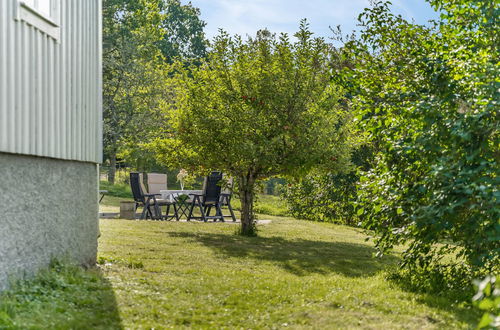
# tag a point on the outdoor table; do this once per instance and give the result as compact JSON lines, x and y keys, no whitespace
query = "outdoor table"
{"x":173,"y":196}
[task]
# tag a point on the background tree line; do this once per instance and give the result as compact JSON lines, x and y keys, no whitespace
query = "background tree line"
{"x":141,"y":41}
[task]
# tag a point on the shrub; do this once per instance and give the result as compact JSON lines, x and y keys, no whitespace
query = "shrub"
{"x":487,"y":299}
{"x":320,"y":197}
{"x":428,"y":98}
{"x":328,"y":197}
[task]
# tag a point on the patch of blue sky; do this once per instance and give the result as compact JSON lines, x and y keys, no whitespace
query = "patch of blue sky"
{"x":245,"y":17}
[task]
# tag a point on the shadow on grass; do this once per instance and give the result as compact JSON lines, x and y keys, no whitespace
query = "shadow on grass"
{"x":61,"y":297}
{"x":304,"y":257}
{"x":460,"y":309}
{"x":299,"y":257}
{"x":452,"y":293}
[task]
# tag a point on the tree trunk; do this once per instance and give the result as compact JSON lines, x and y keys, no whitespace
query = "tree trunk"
{"x":246,"y":189}
{"x":112,"y":167}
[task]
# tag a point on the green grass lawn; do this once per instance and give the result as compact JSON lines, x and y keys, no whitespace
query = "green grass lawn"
{"x":296,"y":274}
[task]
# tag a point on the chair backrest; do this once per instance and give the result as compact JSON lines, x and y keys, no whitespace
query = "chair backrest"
{"x":212,"y":188}
{"x":141,"y":183}
{"x":156,"y":182}
{"x":137,"y":187}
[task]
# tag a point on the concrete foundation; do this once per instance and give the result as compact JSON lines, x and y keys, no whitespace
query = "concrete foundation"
{"x":48,"y":209}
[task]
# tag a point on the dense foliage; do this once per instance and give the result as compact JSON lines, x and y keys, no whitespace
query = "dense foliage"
{"x":323,"y":197}
{"x":134,"y":74}
{"x":428,"y":97}
{"x":328,"y":197}
{"x":259,"y":108}
{"x":183,"y":35}
{"x":141,"y":38}
{"x":487,"y":299}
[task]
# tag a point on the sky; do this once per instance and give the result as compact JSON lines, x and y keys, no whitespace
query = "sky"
{"x":245,"y":17}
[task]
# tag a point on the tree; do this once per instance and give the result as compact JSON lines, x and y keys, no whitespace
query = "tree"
{"x":183,"y":36}
{"x":133,"y":71}
{"x":428,"y":98}
{"x":260,"y":108}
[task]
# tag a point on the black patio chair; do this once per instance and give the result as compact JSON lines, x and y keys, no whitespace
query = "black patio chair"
{"x":151,"y":205}
{"x":210,"y":197}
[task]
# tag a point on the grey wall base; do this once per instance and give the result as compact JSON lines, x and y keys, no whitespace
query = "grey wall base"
{"x":48,"y":209}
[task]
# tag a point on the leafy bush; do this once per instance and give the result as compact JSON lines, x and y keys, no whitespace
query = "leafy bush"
{"x":487,"y":299}
{"x":428,"y":99}
{"x":328,"y":197}
{"x":320,"y":197}
{"x":438,"y":280}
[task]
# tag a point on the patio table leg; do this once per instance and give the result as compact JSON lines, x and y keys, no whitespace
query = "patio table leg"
{"x":176,"y":212}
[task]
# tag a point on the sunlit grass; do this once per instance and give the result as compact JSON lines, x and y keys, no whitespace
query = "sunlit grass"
{"x":175,"y":274}
{"x":61,"y":297}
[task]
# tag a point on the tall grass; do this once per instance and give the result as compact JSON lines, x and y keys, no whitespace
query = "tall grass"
{"x":60,"y":297}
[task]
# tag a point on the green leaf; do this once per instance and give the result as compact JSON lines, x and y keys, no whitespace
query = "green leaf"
{"x":485,"y":321}
{"x":486,"y":304}
{"x":5,"y":319}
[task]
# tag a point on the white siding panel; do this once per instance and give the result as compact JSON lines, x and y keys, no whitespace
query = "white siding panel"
{"x":50,"y":90}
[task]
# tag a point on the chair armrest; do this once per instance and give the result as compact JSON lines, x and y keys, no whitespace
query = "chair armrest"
{"x":150,"y":197}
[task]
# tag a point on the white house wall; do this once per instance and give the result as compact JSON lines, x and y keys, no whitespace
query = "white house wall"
{"x":50,"y":100}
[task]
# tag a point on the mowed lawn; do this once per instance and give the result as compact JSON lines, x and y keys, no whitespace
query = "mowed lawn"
{"x":296,"y":274}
